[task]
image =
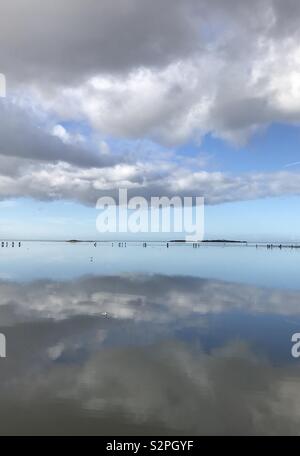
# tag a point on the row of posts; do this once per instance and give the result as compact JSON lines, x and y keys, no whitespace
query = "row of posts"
{"x":10,"y":244}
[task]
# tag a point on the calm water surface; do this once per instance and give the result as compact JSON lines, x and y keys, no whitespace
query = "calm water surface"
{"x":130,"y":340}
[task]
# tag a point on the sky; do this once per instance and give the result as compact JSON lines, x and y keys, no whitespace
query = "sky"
{"x":186,"y":98}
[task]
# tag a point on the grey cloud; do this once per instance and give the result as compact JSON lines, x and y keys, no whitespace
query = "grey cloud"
{"x":21,"y":136}
{"x":74,"y":39}
{"x":231,"y":56}
{"x":62,"y":181}
{"x":137,"y":69}
{"x":36,"y":164}
{"x":286,"y":17}
{"x":66,"y":41}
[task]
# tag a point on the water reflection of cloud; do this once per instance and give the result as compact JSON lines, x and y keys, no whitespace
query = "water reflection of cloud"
{"x":104,"y":355}
{"x":153,"y":298}
{"x":167,"y":387}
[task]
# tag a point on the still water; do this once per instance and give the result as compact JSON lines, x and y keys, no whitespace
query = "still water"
{"x":118,"y":340}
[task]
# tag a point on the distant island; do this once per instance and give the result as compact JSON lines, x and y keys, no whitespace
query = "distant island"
{"x":224,"y":240}
{"x":211,"y":240}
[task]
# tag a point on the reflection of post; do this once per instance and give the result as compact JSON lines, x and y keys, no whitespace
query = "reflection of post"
{"x":2,"y":346}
